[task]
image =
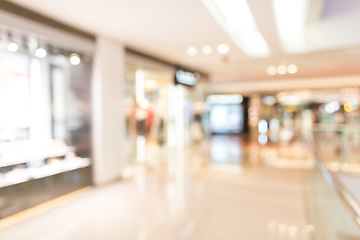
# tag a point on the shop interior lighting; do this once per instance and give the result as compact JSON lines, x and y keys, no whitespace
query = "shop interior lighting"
{"x":75,"y":59}
{"x":269,"y":100}
{"x":207,"y":50}
{"x":290,"y":19}
{"x":223,"y":48}
{"x":235,"y":17}
{"x":144,"y":104}
{"x":274,"y":125}
{"x":150,"y":84}
{"x":354,"y":104}
{"x":262,"y":126}
{"x":348,"y":107}
{"x":40,"y":53}
{"x":12,"y":47}
{"x":192,"y":51}
{"x":332,"y":107}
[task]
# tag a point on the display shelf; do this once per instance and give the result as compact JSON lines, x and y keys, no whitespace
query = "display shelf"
{"x":27,"y":194}
{"x":24,"y":158}
{"x":26,"y":174}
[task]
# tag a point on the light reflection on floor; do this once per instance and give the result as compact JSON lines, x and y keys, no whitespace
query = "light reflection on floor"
{"x":220,"y":189}
{"x":226,"y":149}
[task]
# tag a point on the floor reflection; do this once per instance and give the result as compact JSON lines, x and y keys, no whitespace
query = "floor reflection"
{"x":226,"y":149}
{"x":226,"y":153}
{"x":224,"y":188}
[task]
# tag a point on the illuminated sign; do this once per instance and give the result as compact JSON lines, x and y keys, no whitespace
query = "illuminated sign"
{"x":224,"y":99}
{"x":187,"y":78}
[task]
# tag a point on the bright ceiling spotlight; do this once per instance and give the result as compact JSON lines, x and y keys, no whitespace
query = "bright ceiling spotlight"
{"x":271,"y":70}
{"x":223,"y":48}
{"x":281,"y":69}
{"x":12,"y":47}
{"x":192,"y":51}
{"x":40,"y":53}
{"x":206,"y":50}
{"x":75,"y":59}
{"x":292,"y":69}
{"x":236,"y":18}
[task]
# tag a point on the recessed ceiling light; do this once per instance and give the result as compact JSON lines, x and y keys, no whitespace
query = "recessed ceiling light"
{"x":271,"y":70}
{"x":223,"y":48}
{"x":292,"y":69}
{"x":281,"y":69}
{"x":12,"y":47}
{"x":207,"y":50}
{"x":192,"y":51}
{"x":40,"y":53}
{"x":75,"y":59}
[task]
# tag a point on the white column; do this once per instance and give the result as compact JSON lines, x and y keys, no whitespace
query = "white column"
{"x":107,"y":112}
{"x":40,"y":126}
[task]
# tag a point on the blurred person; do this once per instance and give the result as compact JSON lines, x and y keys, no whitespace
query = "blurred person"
{"x":160,"y":132}
{"x":137,"y":120}
{"x":196,"y":130}
{"x":316,"y":116}
{"x":150,"y":118}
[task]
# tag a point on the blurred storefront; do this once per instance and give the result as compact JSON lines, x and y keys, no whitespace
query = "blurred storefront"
{"x":45,"y":124}
{"x":161,"y":111}
{"x":284,"y":116}
{"x":226,"y":113}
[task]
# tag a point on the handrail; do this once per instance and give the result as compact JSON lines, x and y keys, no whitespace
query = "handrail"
{"x":350,"y":202}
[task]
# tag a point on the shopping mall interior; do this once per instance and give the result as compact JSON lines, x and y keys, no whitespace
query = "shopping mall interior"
{"x":179,"y":120}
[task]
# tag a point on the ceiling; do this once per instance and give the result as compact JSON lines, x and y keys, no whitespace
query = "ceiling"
{"x":166,"y":29}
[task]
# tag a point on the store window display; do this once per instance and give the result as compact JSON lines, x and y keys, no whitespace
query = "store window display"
{"x":191,"y":90}
{"x":299,"y":112}
{"x":14,"y":88}
{"x":164,"y":109}
{"x":146,"y":108}
{"x":44,"y":121}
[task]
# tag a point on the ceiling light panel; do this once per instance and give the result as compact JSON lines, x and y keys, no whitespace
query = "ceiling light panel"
{"x":291,"y":21}
{"x":236,"y":19}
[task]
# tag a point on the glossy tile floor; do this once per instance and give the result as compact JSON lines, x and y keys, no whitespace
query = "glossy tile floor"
{"x":218,"y":190}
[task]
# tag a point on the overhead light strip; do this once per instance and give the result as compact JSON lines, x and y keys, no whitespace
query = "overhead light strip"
{"x":291,"y":21}
{"x":235,"y":17}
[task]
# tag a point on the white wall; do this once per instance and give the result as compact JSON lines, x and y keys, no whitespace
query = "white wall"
{"x":108,"y":117}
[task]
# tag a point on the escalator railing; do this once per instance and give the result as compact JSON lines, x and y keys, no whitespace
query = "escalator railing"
{"x":332,"y":191}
